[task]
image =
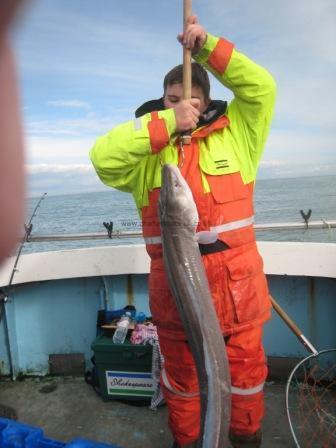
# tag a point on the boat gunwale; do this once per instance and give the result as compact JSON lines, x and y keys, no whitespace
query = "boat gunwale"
{"x":280,"y":258}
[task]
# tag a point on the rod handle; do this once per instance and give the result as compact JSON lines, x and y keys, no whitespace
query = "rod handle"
{"x":292,"y":325}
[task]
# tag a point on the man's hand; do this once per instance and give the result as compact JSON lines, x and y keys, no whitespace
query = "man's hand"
{"x":187,"y":114}
{"x":194,"y":36}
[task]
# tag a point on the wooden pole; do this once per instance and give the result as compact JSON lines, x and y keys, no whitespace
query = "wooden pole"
{"x":292,"y":325}
{"x":187,"y":11}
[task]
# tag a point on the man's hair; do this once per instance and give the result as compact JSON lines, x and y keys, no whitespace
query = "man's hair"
{"x":199,"y":78}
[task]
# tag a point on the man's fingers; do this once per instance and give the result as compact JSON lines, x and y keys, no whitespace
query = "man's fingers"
{"x":187,"y":114}
{"x":187,"y":38}
{"x":192,"y":19}
{"x":190,"y":41}
{"x":191,"y":35}
{"x":188,"y":35}
{"x":193,"y":122}
{"x":193,"y":117}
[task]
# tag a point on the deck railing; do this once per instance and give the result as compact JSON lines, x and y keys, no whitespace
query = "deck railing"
{"x":322,"y":224}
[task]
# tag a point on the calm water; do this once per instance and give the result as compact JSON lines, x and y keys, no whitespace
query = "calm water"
{"x":277,"y":200}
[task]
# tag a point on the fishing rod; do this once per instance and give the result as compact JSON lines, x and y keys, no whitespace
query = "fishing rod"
{"x":5,"y":291}
{"x":28,"y":228}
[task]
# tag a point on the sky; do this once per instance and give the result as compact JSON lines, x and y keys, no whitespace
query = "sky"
{"x":85,"y":66}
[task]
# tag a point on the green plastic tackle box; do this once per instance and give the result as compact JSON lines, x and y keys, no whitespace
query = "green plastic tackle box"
{"x":124,"y":370}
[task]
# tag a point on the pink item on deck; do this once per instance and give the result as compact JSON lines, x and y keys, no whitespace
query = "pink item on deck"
{"x":144,"y":334}
{"x":147,"y":334}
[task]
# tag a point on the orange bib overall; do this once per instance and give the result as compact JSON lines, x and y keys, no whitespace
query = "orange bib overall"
{"x":240,"y":296}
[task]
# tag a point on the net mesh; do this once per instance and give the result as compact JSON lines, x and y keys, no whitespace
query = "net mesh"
{"x":311,"y":401}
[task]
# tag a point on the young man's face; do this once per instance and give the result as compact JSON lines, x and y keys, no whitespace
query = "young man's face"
{"x":174,"y":94}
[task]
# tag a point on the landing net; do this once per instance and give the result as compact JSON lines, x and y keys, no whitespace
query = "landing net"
{"x":311,"y":401}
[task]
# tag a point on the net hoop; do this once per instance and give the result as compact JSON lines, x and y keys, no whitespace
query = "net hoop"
{"x":289,"y":381}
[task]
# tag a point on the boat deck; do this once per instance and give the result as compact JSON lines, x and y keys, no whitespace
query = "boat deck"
{"x":66,"y":408}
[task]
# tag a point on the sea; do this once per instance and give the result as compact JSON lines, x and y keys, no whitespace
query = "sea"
{"x":276,"y":200}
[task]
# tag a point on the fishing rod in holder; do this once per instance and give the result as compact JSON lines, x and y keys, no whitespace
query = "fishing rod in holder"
{"x":28,"y":229}
{"x":4,"y":292}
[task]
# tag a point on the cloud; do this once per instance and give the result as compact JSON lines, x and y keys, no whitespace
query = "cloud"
{"x":284,"y":169}
{"x":301,"y":146}
{"x":271,"y":163}
{"x":41,"y":150}
{"x":62,"y":179}
{"x":77,"y":104}
{"x":47,"y":168}
{"x":93,"y":48}
{"x":79,"y":178}
{"x":91,"y":124}
{"x":295,"y":170}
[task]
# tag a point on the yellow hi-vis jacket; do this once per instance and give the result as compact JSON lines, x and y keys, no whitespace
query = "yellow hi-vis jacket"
{"x":129,"y":157}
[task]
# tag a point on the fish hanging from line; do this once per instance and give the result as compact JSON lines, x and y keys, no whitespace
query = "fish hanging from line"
{"x":189,"y":286}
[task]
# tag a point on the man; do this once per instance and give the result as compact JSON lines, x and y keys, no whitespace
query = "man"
{"x":220,"y":167}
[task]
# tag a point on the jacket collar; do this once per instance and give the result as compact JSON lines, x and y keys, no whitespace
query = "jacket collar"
{"x":215,"y":109}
